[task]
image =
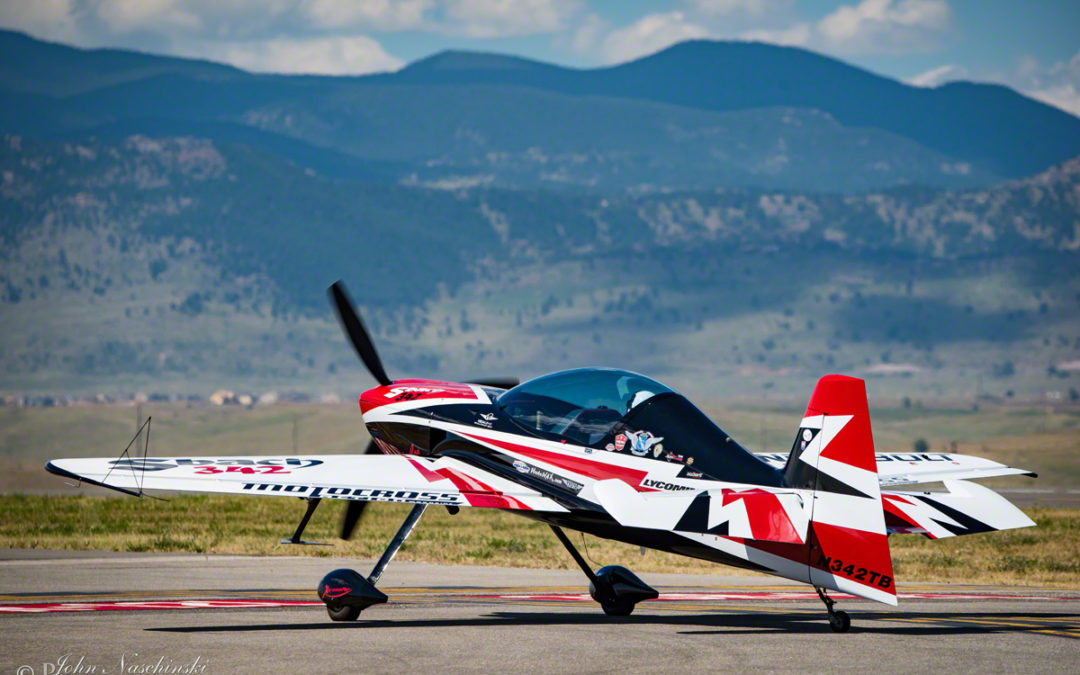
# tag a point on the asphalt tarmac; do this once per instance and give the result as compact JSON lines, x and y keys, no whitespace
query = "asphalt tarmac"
{"x":65,"y":612}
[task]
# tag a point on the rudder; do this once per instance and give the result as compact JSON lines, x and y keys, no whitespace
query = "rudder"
{"x":833,"y":456}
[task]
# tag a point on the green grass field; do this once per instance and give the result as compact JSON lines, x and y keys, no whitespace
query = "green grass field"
{"x":1044,"y":555}
{"x":40,"y":511}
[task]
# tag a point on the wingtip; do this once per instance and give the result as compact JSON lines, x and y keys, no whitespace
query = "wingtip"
{"x":53,"y":468}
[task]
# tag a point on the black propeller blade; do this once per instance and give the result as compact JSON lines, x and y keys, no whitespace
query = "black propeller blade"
{"x":365,"y":349}
{"x":358,"y":335}
{"x":498,"y":382}
{"x":355,"y":509}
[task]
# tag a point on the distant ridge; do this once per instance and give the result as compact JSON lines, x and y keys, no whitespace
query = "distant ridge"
{"x":1025,"y":136}
{"x":697,"y":115}
{"x":39,"y":67}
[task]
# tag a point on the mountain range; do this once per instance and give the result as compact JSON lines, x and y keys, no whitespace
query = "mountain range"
{"x":726,"y":213}
{"x":696,"y":115}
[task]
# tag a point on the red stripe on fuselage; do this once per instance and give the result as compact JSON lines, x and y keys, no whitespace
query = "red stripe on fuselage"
{"x":475,"y":491}
{"x":579,"y":465}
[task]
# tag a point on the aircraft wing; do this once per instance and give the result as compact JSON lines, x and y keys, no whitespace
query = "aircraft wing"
{"x":967,"y":508}
{"x":385,"y":478}
{"x":909,"y":468}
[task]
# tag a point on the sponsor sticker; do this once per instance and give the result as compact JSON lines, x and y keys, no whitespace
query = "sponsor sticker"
{"x":363,"y":494}
{"x":912,"y":458}
{"x":548,"y":476}
{"x":663,"y":485}
{"x":620,"y":442}
{"x":396,"y":392}
{"x":209,"y":465}
{"x":642,"y":442}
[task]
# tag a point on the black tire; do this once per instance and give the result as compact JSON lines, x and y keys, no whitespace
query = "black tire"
{"x":840,"y":622}
{"x":618,"y":608}
{"x":342,"y":612}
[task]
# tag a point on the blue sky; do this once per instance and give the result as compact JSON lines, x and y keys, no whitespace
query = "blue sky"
{"x":1032,"y":46}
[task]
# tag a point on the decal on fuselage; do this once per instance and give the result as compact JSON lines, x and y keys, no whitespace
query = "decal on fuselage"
{"x":365,"y":494}
{"x":641,"y":442}
{"x":663,"y":485}
{"x":861,"y":574}
{"x":547,"y":476}
{"x":780,"y":457}
{"x":268,"y":465}
{"x":408,"y":393}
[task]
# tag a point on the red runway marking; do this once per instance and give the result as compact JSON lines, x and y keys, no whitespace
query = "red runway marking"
{"x":154,"y":604}
{"x":781,"y":595}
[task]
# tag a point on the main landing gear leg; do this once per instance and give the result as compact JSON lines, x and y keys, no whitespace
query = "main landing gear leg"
{"x":616,"y":588}
{"x":347,"y":593}
{"x":838,"y":621}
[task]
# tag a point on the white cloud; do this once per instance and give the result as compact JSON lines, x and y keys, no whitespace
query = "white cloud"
{"x":355,"y":55}
{"x":1058,"y":85}
{"x":505,"y":18}
{"x":876,"y":26}
{"x":50,"y":19}
{"x":647,"y":35}
{"x":725,"y":7}
{"x":798,"y":35}
{"x":122,"y":16}
{"x":1063,"y":96}
{"x":938,"y":75}
{"x":869,"y":27}
{"x":588,"y":35}
{"x":366,"y":14}
{"x":287,"y":36}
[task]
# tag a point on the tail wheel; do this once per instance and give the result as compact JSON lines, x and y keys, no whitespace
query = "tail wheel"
{"x":342,"y":612}
{"x":840,"y":622}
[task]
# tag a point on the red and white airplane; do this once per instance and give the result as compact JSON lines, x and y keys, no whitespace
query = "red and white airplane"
{"x":617,"y":455}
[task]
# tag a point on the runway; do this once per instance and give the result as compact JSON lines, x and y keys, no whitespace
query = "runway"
{"x":153,"y":613}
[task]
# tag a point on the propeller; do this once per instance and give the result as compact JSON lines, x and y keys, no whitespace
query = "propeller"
{"x":358,"y":335}
{"x":355,"y":509}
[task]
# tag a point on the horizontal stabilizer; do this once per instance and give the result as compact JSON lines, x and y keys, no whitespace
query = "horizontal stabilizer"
{"x":967,"y":508}
{"x":909,"y":468}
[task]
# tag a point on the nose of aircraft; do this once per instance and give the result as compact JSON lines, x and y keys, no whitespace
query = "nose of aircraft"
{"x":401,"y":391}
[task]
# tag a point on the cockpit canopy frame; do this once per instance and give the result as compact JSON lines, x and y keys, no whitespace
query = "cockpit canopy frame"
{"x":622,"y":411}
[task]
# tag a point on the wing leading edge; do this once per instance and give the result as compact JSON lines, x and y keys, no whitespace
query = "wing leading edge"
{"x":414,"y":480}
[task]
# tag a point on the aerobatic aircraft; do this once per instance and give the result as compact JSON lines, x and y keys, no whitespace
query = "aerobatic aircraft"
{"x":617,"y":455}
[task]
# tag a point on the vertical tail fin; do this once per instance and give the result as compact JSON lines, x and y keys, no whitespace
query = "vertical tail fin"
{"x":833,"y":456}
